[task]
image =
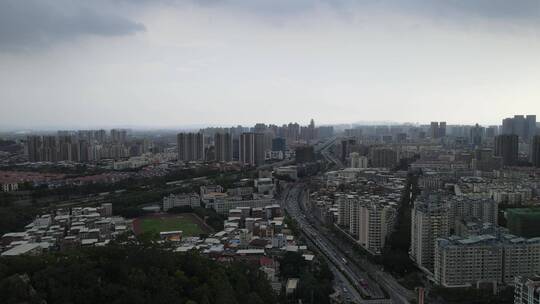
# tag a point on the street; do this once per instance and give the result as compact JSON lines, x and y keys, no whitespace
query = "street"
{"x":358,"y":284}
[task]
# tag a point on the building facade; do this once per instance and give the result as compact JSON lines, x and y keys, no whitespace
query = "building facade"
{"x":506,"y":146}
{"x":485,"y":259}
{"x":252,"y":149}
{"x":190,"y":147}
{"x":429,"y":222}
{"x":223,"y":143}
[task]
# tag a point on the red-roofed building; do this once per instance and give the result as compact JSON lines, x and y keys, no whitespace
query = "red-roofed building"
{"x":266,"y":262}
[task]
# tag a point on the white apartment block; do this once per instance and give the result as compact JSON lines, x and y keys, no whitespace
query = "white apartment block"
{"x":9,"y":186}
{"x":429,"y":221}
{"x":468,"y":262}
{"x":354,"y":216}
{"x":189,"y":200}
{"x":521,"y":257}
{"x":527,"y":290}
{"x":344,"y":204}
{"x":376,"y":222}
{"x":368,"y":219}
{"x":223,"y":203}
{"x":468,"y":207}
{"x":476,"y":260}
{"x":358,"y":161}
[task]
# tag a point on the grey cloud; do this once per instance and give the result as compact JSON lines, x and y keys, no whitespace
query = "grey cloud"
{"x":527,"y":10}
{"x":509,"y":10}
{"x":25,"y":24}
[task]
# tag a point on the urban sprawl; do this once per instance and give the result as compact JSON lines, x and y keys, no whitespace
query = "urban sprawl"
{"x":400,"y":213}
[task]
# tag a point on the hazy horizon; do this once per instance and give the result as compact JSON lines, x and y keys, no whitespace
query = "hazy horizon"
{"x":53,"y":128}
{"x":169,"y":63}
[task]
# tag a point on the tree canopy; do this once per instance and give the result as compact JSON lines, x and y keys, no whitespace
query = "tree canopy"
{"x":130,"y":274}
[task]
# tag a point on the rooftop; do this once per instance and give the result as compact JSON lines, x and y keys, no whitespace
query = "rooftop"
{"x":21,"y":249}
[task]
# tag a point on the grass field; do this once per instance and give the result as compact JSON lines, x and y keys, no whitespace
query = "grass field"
{"x":188,"y":223}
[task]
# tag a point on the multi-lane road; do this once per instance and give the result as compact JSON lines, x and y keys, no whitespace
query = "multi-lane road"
{"x":354,"y":282}
{"x":358,"y":284}
{"x":324,"y":149}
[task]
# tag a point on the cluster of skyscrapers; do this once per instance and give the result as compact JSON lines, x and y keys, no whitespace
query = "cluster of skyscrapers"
{"x":438,"y":129}
{"x":514,"y":142}
{"x":81,"y":146}
{"x":520,"y":125}
{"x":249,"y":146}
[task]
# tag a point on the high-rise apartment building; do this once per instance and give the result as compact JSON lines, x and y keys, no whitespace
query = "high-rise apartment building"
{"x":236,"y":148}
{"x":33,"y":148}
{"x":489,"y":258}
{"x":118,"y":136}
{"x":535,"y":151}
{"x":292,"y":132}
{"x":190,"y":147}
{"x":429,"y":221}
{"x":223,"y":143}
{"x":82,"y":146}
{"x":438,"y":129}
{"x":466,"y":262}
{"x":252,"y":149}
{"x":375,"y":222}
{"x":442,"y":129}
{"x":527,"y":290}
{"x":279,"y":144}
{"x":308,"y":133}
{"x":508,"y":126}
{"x":358,"y":161}
{"x":369,"y":219}
{"x":325,"y":132}
{"x":268,"y":136}
{"x":434,"y":129}
{"x":305,"y":154}
{"x":492,"y":131}
{"x":506,"y":146}
{"x":485,"y":160}
{"x":531,"y":125}
{"x":383,"y":157}
{"x":520,"y":125}
{"x":477,"y":135}
{"x":344,"y":204}
{"x":484,"y":210}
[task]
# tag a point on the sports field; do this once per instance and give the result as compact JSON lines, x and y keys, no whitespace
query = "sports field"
{"x":188,"y":223}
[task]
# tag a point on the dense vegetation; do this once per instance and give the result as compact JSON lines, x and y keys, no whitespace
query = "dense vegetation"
{"x":15,"y":218}
{"x":127,"y":196}
{"x":315,"y":285}
{"x":210,"y":216}
{"x":395,"y":257}
{"x":474,"y":296}
{"x":130,"y":274}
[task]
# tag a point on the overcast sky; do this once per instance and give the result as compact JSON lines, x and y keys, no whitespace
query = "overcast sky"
{"x":68,"y":63}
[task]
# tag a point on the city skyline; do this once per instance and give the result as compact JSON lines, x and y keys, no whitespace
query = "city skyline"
{"x":164,"y":63}
{"x":194,"y":127}
{"x":270,"y":151}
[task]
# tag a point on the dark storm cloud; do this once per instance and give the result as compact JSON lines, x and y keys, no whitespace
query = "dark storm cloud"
{"x":25,"y":24}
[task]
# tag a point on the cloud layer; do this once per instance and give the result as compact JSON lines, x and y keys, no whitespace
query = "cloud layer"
{"x":177,"y":62}
{"x":29,"y":23}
